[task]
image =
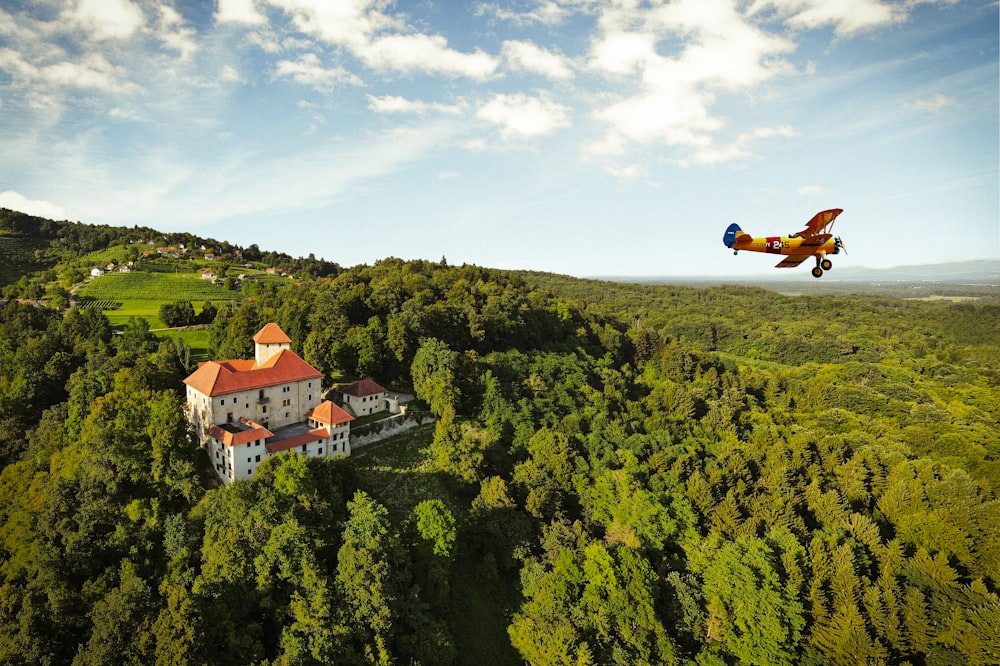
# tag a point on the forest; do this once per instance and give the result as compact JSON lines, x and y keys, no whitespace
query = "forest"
{"x":628,"y":474}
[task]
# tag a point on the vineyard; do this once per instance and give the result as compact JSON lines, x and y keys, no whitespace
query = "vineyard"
{"x":140,"y":294}
{"x":160,"y":287}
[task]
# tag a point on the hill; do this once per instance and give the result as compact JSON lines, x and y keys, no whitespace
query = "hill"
{"x":618,"y":473}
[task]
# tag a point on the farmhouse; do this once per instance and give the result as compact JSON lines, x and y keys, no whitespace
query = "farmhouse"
{"x":248,"y":410}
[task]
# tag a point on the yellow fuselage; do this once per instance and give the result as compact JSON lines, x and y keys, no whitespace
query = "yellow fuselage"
{"x":814,"y":246}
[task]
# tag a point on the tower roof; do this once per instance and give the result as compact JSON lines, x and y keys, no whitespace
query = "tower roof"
{"x":330,"y":414}
{"x":271,"y":334}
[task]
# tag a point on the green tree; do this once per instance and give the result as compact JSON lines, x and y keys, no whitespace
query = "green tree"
{"x":751,"y":608}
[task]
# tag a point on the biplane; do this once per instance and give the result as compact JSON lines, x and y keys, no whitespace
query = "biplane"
{"x":813,"y":241}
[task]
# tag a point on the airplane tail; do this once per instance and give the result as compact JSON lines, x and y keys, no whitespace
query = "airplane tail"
{"x":732,"y":233}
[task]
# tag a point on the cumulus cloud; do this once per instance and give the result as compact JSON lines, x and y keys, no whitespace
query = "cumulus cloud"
{"x":106,"y":19}
{"x":175,"y":33}
{"x":308,"y":70}
{"x":521,"y":116}
{"x":239,"y":11}
{"x":715,"y":49}
{"x":17,"y":201}
{"x":529,"y":57}
{"x":91,"y":71}
{"x":381,"y":40}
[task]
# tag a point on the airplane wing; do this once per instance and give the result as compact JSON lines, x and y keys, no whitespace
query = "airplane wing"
{"x":792,"y":260}
{"x":821,"y":222}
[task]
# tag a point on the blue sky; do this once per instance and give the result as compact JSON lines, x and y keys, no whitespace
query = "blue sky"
{"x":573,"y":136}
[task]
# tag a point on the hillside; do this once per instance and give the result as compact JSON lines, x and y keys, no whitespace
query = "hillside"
{"x":619,"y":474}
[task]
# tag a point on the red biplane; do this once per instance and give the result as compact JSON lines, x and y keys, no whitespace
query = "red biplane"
{"x":813,"y":241}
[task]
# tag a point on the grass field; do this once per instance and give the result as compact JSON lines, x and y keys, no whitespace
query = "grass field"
{"x":195,"y":338}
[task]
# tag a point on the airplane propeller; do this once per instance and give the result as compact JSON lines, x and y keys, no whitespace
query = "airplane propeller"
{"x":839,"y":244}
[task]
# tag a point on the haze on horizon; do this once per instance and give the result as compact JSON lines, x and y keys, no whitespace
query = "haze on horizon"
{"x":571,"y":136}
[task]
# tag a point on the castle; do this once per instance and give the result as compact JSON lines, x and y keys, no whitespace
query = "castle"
{"x":247,"y":411}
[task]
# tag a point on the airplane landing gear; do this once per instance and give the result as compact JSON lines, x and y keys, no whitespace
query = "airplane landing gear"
{"x":817,"y":270}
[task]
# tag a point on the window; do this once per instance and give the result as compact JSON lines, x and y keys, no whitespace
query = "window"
{"x":320,"y":452}
{"x":258,"y":458}
{"x":310,"y":396}
{"x":264,"y":410}
{"x":286,"y":415}
{"x":229,"y":417}
{"x":248,"y":458}
{"x":260,"y":394}
{"x":249,"y":472}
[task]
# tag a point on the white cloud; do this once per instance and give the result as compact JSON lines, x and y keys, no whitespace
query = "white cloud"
{"x":123,"y":114}
{"x":619,"y":52}
{"x":239,"y":11}
{"x":846,"y":16}
{"x":447,"y":175}
{"x":738,"y":149}
{"x":811,"y":190}
{"x":397,"y":104}
{"x":91,"y":71}
{"x":529,"y":57}
{"x":308,"y":70}
{"x":547,"y":12}
{"x":17,"y":201}
{"x":383,"y":41}
{"x":680,"y":56}
{"x":228,"y":74}
{"x":106,"y":19}
{"x":522,"y":115}
{"x":174,"y":34}
{"x":935,"y":104}
{"x":427,"y":53}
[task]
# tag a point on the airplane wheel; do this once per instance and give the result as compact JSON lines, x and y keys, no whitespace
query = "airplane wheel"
{"x":826,"y":264}
{"x":817,"y":272}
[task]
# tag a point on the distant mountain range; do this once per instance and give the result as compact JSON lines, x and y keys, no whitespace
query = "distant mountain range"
{"x":981,"y":272}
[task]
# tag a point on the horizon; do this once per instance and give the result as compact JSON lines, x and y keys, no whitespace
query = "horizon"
{"x":565,"y":136}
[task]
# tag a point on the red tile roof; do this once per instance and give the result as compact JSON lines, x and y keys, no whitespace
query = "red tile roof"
{"x":296,"y":441}
{"x":214,"y":378}
{"x":363,"y":387}
{"x":230,"y":438}
{"x":271,"y":334}
{"x":330,"y":414}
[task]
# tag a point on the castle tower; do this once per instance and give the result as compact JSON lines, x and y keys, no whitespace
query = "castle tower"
{"x":269,"y":341}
